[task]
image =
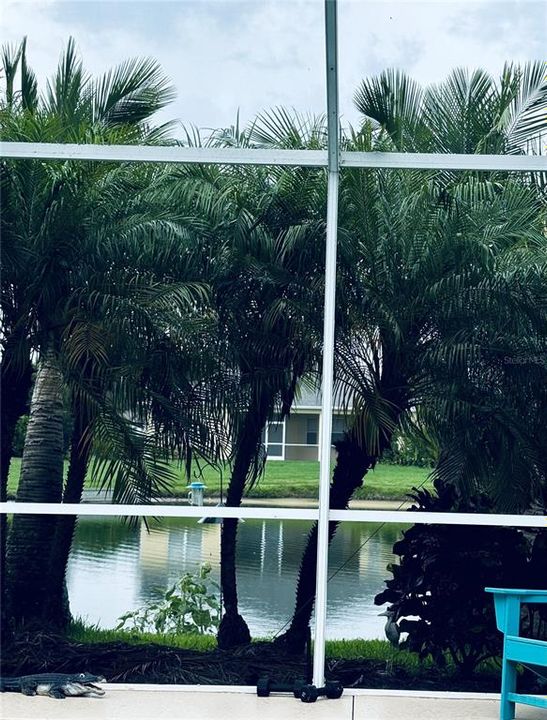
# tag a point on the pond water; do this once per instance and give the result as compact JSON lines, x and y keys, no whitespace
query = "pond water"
{"x":115,"y":567}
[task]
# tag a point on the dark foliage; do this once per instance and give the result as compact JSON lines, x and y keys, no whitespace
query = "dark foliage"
{"x":409,"y":450}
{"x":441,"y":577}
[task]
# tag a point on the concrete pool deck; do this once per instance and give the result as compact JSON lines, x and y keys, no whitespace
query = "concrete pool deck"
{"x":169,"y":702}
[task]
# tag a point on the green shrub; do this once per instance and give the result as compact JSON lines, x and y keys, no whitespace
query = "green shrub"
{"x":440,"y":580}
{"x":190,"y":606}
{"x":410,"y":449}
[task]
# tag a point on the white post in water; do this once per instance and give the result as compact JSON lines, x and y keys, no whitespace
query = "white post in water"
{"x":328,"y":343}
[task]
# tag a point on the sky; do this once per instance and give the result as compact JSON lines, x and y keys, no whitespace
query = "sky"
{"x":230,"y":56}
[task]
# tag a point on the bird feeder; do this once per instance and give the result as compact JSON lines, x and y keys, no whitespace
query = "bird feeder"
{"x":195,"y":492}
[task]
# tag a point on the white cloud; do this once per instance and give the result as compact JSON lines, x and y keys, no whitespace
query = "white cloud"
{"x":268,"y":57}
{"x":429,"y":39}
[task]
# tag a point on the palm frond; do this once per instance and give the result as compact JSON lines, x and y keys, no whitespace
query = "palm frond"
{"x":523,"y":103}
{"x":29,"y":84}
{"x":11,"y":55}
{"x":65,"y":92}
{"x":130,"y":93}
{"x":394,"y":102}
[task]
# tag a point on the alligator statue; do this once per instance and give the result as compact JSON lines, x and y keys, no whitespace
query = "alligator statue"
{"x":56,"y":685}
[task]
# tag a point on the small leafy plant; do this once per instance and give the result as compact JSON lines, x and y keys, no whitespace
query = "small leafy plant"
{"x":190,"y":606}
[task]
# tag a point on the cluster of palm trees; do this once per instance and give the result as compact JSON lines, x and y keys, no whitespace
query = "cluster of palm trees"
{"x":173,"y":311}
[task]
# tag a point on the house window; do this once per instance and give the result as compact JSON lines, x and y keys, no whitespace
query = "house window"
{"x":338,"y":429}
{"x":312,"y":430}
{"x":275,"y":432}
{"x":274,"y":439}
{"x":275,"y":451}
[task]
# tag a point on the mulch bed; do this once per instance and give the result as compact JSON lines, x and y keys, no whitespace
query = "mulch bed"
{"x":120,"y":662}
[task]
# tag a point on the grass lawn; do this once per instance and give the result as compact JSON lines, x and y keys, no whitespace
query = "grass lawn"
{"x":289,"y":479}
{"x":346,"y":649}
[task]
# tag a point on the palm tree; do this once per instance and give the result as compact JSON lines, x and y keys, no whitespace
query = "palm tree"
{"x":429,"y":276}
{"x":78,"y":235}
{"x":136,"y":384}
{"x":75,"y":108}
{"x":266,"y":288}
{"x":15,"y":364}
{"x":270,"y":348}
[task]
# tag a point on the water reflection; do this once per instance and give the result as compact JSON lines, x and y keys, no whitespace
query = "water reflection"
{"x":116,"y":567}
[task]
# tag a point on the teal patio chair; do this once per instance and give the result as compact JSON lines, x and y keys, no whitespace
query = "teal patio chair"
{"x":518,"y":650}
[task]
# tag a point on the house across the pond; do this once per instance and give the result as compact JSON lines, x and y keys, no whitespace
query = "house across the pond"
{"x":297,"y":437}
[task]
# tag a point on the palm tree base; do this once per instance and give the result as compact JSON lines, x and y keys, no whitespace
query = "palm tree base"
{"x":232,"y":631}
{"x":293,"y":641}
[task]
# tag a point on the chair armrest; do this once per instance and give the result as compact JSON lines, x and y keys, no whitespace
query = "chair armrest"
{"x":529,"y":596}
{"x":507,"y":603}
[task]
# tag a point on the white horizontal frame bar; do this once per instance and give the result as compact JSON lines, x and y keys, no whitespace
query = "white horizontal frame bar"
{"x":163,"y":154}
{"x":158,"y":510}
{"x":304,"y":445}
{"x":442,"y":161}
{"x":403,"y":517}
{"x":245,"y":156}
{"x":438,"y":518}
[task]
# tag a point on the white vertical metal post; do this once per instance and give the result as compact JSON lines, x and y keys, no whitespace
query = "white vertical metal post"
{"x":328,"y":343}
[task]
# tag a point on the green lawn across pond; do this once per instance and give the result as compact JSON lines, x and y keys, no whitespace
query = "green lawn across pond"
{"x":289,"y":479}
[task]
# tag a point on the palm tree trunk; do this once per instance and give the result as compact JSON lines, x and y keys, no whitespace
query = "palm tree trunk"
{"x":233,"y":629}
{"x":15,"y":385}
{"x":352,"y":464}
{"x":15,"y":389}
{"x":56,"y":608}
{"x":27,"y":558}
